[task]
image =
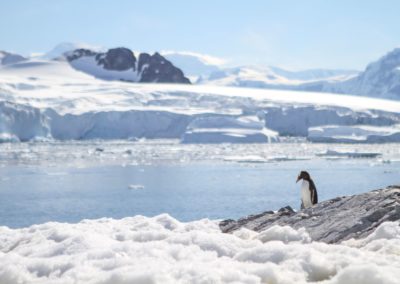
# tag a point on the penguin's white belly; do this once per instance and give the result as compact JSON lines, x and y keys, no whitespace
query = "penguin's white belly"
{"x":306,"y":194}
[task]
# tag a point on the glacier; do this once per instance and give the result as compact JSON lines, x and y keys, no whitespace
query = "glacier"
{"x":42,"y":100}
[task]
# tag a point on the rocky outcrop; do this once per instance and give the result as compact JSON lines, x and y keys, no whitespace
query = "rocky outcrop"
{"x":146,"y":68}
{"x":331,"y":221}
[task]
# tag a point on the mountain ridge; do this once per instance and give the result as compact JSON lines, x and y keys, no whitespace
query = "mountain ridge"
{"x":380,"y":78}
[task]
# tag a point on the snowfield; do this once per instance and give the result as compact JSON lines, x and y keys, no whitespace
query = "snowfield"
{"x":58,"y":102}
{"x":164,"y":250}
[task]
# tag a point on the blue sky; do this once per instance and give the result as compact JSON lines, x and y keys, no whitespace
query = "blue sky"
{"x":294,"y":34}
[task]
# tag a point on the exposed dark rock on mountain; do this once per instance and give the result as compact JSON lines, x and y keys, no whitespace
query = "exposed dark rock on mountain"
{"x":331,"y":221}
{"x":146,"y":68}
{"x":118,"y":59}
{"x":78,"y":53}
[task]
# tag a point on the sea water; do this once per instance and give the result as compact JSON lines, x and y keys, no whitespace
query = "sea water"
{"x":71,"y":181}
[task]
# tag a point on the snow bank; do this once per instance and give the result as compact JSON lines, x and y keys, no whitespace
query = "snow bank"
{"x":356,"y":133}
{"x":89,"y":65}
{"x":164,"y":250}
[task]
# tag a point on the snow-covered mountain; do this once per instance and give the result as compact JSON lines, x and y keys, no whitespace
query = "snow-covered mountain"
{"x":274,"y":77}
{"x":206,"y":69}
{"x":121,"y":64}
{"x":65,"y":99}
{"x":314,"y":74}
{"x":42,"y":99}
{"x":7,"y":58}
{"x":195,"y":65}
{"x":380,"y":79}
{"x":59,"y":50}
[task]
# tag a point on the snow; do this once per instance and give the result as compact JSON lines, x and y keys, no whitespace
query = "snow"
{"x":59,"y":50}
{"x":89,"y":65}
{"x":273,"y":77}
{"x":163,"y":250}
{"x":68,"y":104}
{"x":194,"y":65}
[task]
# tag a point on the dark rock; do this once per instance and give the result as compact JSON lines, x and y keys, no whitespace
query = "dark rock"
{"x":119,"y":59}
{"x":160,"y":70}
{"x":331,"y":221}
{"x":78,"y":53}
{"x":149,"y":68}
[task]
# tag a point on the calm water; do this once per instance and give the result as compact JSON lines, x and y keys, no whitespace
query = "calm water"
{"x":31,"y":194}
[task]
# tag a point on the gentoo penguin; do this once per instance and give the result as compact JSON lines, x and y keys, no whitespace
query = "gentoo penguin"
{"x":309,"y":195}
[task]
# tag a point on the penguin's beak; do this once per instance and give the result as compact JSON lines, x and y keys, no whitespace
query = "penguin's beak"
{"x":298,"y":178}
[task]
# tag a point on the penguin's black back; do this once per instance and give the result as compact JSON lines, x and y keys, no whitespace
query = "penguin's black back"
{"x":314,"y":194}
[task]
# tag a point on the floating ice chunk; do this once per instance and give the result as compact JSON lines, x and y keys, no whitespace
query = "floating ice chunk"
{"x":7,"y":137}
{"x":347,"y":154}
{"x":246,"y":159}
{"x":259,"y":159}
{"x":136,"y":186}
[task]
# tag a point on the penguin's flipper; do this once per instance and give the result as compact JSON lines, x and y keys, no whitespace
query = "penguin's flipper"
{"x":314,"y":194}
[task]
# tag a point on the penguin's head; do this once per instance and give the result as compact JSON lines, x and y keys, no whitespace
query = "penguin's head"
{"x":303,"y":175}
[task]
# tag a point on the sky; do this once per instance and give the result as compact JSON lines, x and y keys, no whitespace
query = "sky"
{"x":296,"y":34}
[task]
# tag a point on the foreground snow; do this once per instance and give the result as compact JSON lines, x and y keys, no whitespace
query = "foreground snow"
{"x":58,"y":102}
{"x":164,"y":250}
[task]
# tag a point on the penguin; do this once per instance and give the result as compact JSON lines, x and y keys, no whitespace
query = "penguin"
{"x":309,"y":195}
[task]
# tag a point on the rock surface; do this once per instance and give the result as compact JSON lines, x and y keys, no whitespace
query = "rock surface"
{"x":331,"y":221}
{"x":121,"y":64}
